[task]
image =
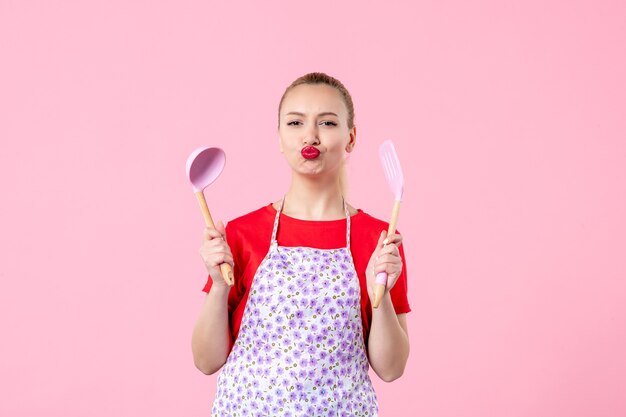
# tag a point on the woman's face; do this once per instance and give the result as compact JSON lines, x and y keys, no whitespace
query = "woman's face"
{"x":313,"y":118}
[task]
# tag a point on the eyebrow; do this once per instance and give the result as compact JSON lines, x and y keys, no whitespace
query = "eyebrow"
{"x":326,"y":113}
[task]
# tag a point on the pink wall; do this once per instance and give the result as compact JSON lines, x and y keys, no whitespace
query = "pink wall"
{"x":509,"y":118}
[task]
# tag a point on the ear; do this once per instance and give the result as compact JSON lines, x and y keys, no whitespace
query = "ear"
{"x":352,"y":142}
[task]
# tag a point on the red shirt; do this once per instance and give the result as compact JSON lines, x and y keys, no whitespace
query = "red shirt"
{"x":249,"y":239}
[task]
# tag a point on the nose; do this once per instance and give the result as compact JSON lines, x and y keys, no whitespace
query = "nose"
{"x":310,"y":136}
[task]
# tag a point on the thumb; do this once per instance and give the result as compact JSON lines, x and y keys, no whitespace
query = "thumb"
{"x":219,"y":226}
{"x":381,"y":239}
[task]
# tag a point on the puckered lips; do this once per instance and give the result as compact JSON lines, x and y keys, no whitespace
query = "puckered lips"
{"x":310,"y":152}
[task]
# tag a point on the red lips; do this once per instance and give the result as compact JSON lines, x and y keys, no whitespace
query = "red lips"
{"x":310,"y":152}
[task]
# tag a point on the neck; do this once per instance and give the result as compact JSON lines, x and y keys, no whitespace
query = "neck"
{"x":314,"y":199}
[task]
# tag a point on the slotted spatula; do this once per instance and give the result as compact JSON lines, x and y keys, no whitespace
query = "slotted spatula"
{"x":395,"y":179}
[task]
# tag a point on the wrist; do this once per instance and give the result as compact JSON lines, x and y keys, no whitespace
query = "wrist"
{"x":220,"y":290}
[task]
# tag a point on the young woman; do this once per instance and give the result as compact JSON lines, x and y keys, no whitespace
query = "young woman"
{"x":296,"y":334}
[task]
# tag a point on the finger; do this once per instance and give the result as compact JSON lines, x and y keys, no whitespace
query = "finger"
{"x":392,"y":279}
{"x":388,"y":263}
{"x":381,"y":238}
{"x":214,"y":246}
{"x":393,"y":269}
{"x":394,"y":238}
{"x":389,"y":258}
{"x":217,"y":258}
{"x":211,"y":233}
{"x":220,"y":258}
{"x":389,"y":249}
{"x":220,"y":228}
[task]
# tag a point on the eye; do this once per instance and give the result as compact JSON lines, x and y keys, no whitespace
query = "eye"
{"x":294,"y":123}
{"x":328,"y":123}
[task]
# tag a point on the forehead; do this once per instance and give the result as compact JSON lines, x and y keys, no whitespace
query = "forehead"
{"x":314,"y":98}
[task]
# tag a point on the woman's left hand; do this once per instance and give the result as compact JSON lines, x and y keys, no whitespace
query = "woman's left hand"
{"x":386,"y":257}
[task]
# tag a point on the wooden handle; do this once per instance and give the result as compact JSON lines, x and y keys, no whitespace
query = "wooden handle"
{"x":394,"y":218}
{"x":225,"y":268}
{"x":379,"y":289}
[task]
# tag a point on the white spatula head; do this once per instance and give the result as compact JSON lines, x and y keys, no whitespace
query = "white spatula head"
{"x":391,"y":167}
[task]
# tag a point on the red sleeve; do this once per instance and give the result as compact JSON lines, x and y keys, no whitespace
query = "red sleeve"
{"x":365,"y":237}
{"x":399,"y":292}
{"x":237,"y":290}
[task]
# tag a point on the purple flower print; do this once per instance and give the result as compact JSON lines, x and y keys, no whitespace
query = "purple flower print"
{"x":313,"y":339}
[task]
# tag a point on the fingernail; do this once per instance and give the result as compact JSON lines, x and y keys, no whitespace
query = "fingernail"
{"x":385,"y":241}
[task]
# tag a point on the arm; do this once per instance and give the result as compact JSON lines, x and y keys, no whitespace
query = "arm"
{"x":211,"y":340}
{"x":388,"y":342}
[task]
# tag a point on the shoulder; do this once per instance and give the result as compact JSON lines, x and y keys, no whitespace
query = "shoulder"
{"x":367,"y":222}
{"x":251,"y":221}
{"x":263,"y":213}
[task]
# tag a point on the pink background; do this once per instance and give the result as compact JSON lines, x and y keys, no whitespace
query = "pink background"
{"x":509,"y":120}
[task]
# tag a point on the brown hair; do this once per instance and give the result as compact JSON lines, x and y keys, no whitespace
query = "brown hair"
{"x":321,"y":78}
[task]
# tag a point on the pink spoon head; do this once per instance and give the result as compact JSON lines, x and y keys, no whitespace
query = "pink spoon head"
{"x":204,"y":165}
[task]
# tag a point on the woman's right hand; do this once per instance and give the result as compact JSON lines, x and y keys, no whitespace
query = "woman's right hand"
{"x":215,"y":251}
